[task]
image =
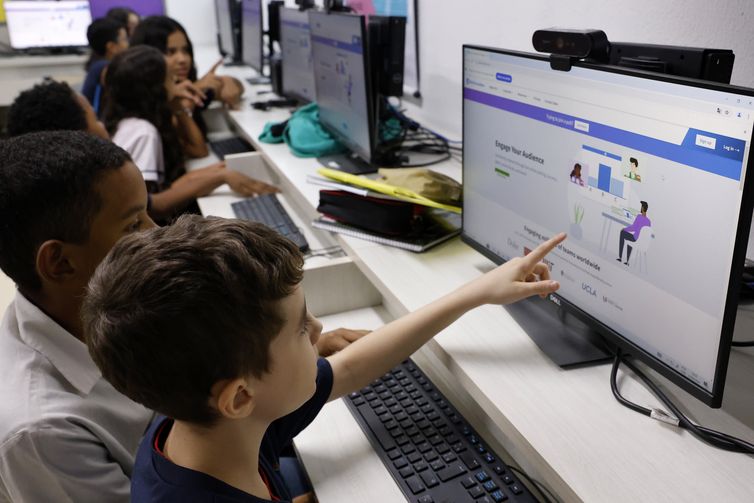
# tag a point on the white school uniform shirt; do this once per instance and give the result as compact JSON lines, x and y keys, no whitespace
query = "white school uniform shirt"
{"x":66,"y":435}
{"x":142,"y":141}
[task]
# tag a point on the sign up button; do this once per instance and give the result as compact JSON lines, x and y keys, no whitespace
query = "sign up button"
{"x":503,"y":77}
{"x":706,"y":141}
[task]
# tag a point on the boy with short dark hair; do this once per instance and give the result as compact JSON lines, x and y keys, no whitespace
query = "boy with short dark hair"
{"x":107,"y":38}
{"x":65,"y":434}
{"x":206,"y":322}
{"x":52,"y":106}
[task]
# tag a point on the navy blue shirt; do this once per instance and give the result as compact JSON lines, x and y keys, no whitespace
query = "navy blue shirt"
{"x":156,"y":478}
{"x":91,"y":89}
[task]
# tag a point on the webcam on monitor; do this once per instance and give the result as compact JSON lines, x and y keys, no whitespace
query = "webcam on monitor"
{"x":567,"y":45}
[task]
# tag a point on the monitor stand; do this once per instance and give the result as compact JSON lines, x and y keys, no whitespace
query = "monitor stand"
{"x":348,"y":162}
{"x":565,"y":339}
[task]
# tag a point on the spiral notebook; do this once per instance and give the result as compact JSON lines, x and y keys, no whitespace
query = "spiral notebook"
{"x":444,"y":226}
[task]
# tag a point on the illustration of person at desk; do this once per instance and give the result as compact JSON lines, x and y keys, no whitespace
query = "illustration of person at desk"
{"x":631,"y":233}
{"x":633,"y":170}
{"x":576,"y":175}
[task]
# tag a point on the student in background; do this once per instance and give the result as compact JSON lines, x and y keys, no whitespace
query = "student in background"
{"x":236,"y":372}
{"x":169,"y":37}
{"x":141,"y":105}
{"x":106,"y":38}
{"x":65,"y":434}
{"x":126,"y":17}
{"x":53,"y":106}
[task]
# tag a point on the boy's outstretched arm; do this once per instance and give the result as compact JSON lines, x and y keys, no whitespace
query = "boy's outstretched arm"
{"x":374,"y":354}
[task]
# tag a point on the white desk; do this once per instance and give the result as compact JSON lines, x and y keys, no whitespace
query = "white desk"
{"x":563,"y":427}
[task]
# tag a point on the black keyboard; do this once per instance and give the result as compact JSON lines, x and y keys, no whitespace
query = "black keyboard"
{"x":427,"y":446}
{"x":234,"y":145}
{"x":266,"y":209}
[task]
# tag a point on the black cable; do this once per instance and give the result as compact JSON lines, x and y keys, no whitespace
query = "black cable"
{"x":742,"y":344}
{"x":543,"y":491}
{"x":715,"y":438}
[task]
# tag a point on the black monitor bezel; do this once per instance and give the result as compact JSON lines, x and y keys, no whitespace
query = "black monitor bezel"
{"x":369,"y":90}
{"x":46,"y":47}
{"x":244,"y":57}
{"x":289,"y":93}
{"x":711,"y":398}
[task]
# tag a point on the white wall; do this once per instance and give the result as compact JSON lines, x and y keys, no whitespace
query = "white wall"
{"x":444,"y":25}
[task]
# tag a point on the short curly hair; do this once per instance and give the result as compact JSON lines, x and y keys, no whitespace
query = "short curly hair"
{"x":48,"y":190}
{"x":49,"y":106}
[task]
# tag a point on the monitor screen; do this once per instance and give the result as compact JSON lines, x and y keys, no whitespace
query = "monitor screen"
{"x":296,"y":48}
{"x":99,"y":8}
{"x":252,"y":34}
{"x":47,"y":24}
{"x":645,"y":174}
{"x":224,"y":27}
{"x":340,"y":72}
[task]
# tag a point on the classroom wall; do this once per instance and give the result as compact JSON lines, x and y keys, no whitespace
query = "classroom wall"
{"x":444,"y":25}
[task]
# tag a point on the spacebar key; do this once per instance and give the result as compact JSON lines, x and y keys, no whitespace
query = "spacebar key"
{"x":383,"y":436}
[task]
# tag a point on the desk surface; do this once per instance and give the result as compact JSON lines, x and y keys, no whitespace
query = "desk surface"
{"x":563,"y":427}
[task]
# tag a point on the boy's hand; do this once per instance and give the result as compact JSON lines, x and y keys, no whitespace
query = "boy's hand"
{"x":517,"y":279}
{"x":331,"y":342}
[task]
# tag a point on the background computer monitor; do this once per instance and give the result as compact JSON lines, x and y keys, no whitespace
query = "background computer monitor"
{"x":142,"y":7}
{"x":296,"y":49}
{"x":580,"y":151}
{"x":252,"y":34}
{"x":227,"y":14}
{"x":339,"y":58}
{"x":45,"y":24}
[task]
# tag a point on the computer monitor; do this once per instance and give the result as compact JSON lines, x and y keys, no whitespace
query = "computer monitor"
{"x":99,"y":8}
{"x":296,"y":48}
{"x":252,"y":33}
{"x":227,"y":13}
{"x":647,"y":174}
{"x":44,"y":24}
{"x":341,"y":73}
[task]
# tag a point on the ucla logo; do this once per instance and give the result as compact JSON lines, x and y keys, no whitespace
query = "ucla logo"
{"x":588,"y":289}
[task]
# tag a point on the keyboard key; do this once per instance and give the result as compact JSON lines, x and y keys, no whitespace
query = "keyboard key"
{"x":498,"y":469}
{"x":400,"y":463}
{"x":424,"y":447}
{"x":431,"y":456}
{"x":508,"y":479}
{"x":414,"y":484}
{"x":475,"y":492}
{"x":448,"y":457}
{"x":420,"y":466}
{"x":406,"y":471}
{"x":498,"y":496}
{"x":468,"y":482}
{"x":408,"y":449}
{"x":489,"y":486}
{"x":437,"y":464}
{"x":426,"y":499}
{"x":489,"y":458}
{"x":516,"y":489}
{"x":469,"y":460}
{"x":394,"y":454}
{"x":451,"y":471}
{"x":429,"y":478}
{"x":482,"y":476}
{"x":442,"y":448}
{"x":414,"y":457}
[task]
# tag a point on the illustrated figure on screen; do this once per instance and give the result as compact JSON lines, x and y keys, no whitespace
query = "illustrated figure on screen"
{"x":576,"y":175}
{"x":631,"y":233}
{"x":633,"y":170}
